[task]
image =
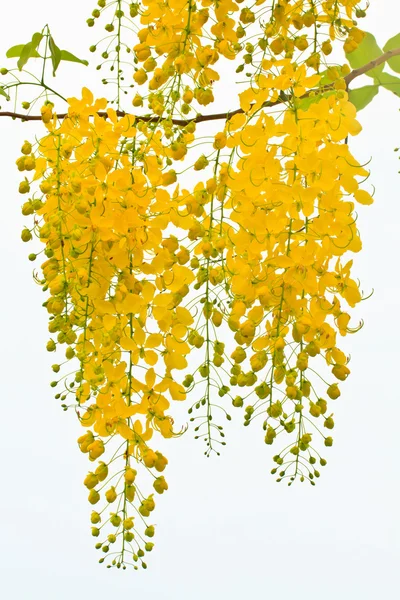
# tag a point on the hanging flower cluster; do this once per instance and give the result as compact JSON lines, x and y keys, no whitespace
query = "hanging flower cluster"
{"x":247,"y":271}
{"x":109,"y":269}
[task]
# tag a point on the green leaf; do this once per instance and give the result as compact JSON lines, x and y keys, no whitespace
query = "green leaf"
{"x":29,"y":50}
{"x":26,"y":54}
{"x":55,"y":54}
{"x":389,"y":82}
{"x":15,"y":52}
{"x":65,"y":55}
{"x":4,"y":93}
{"x":361,"y":97}
{"x":367,"y":51}
{"x":36,"y":39}
{"x":392,"y":44}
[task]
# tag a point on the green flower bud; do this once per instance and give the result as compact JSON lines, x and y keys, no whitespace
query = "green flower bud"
{"x":26,"y":235}
{"x":329,"y":423}
{"x":51,"y":346}
{"x":115,"y":520}
{"x":69,"y":353}
{"x":27,"y":209}
{"x":149,"y":531}
{"x":237,"y":402}
{"x":128,"y":523}
{"x":95,"y":517}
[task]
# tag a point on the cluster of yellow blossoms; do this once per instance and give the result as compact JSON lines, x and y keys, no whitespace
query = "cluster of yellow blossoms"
{"x":180,"y":42}
{"x":247,"y":271}
{"x":101,"y":217}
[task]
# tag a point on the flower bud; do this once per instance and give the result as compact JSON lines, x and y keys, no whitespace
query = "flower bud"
{"x":95,"y":518}
{"x":128,"y":523}
{"x":96,"y":449}
{"x":333,"y":391}
{"x":90,"y":481}
{"x":93,"y":497}
{"x":26,"y":235}
{"x":161,"y":462}
{"x":149,"y":458}
{"x":130,"y":491}
{"x":160,"y":485}
{"x":24,"y":187}
{"x":102,"y":471}
{"x":111,"y":495}
{"x":329,"y":423}
{"x":115,"y":520}
{"x":149,"y":531}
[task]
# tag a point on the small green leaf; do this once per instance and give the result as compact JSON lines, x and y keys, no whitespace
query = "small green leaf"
{"x":367,"y":51}
{"x":4,"y":93}
{"x":65,"y":55}
{"x":393,"y":44}
{"x":15,"y":52}
{"x":55,"y":54}
{"x":361,"y":97}
{"x":389,"y":82}
{"x":29,"y":50}
{"x":25,"y":55}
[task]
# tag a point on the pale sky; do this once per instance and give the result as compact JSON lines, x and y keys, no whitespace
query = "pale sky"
{"x":225,"y":529}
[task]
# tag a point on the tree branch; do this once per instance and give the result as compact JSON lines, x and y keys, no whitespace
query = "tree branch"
{"x":371,"y":65}
{"x":226,"y":115}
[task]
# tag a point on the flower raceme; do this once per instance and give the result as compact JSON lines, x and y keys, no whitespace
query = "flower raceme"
{"x":102,"y":219}
{"x":236,"y":288}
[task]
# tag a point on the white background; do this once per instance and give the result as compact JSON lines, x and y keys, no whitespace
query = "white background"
{"x":225,"y":529}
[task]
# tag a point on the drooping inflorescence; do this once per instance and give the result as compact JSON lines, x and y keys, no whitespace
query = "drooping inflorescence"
{"x":232,"y":288}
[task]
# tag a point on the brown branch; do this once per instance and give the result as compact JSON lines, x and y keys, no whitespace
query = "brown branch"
{"x":371,"y":65}
{"x":226,"y":115}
